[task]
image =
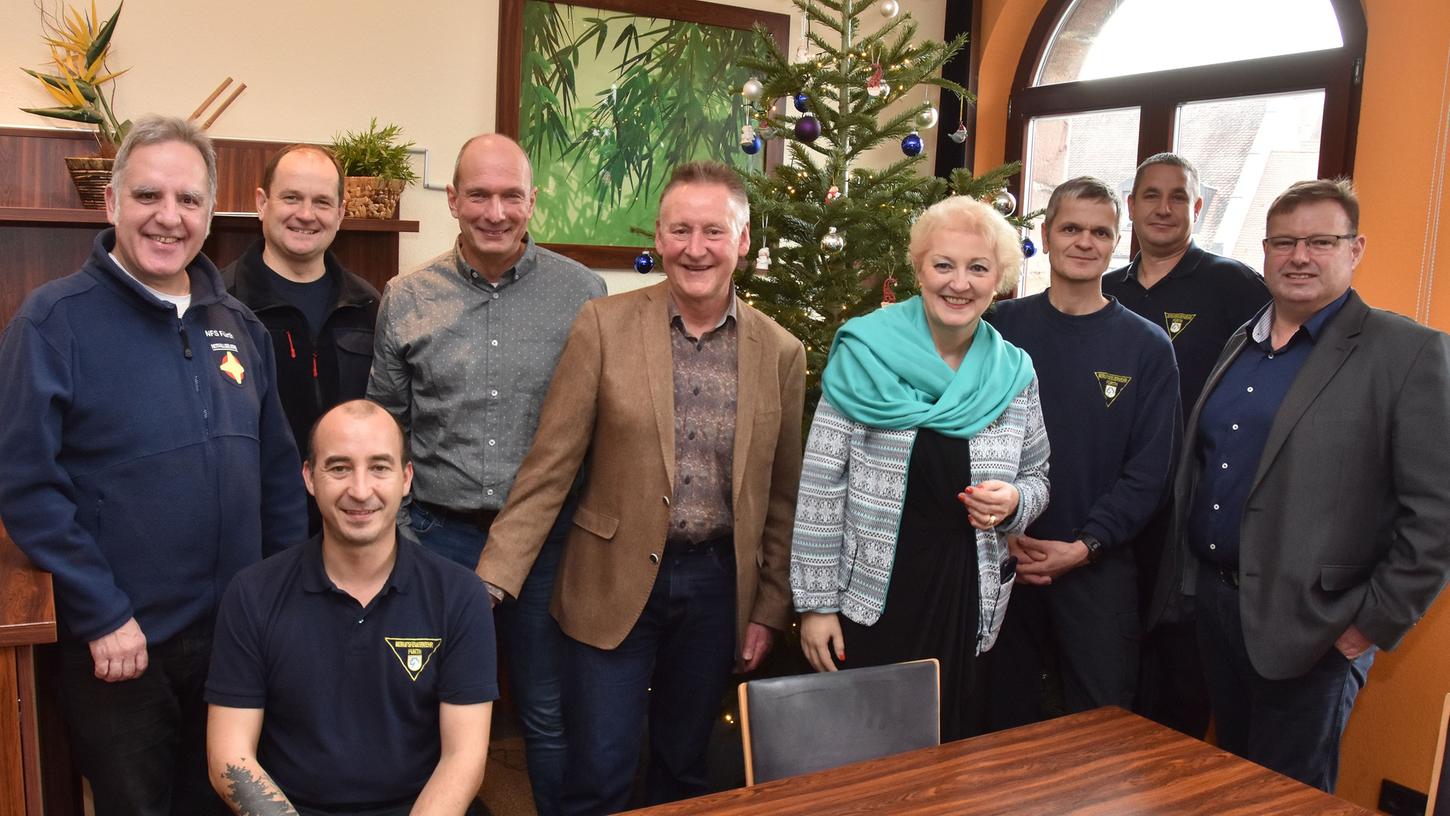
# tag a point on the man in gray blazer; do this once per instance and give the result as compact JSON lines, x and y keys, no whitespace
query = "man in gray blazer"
{"x":1312,"y":509}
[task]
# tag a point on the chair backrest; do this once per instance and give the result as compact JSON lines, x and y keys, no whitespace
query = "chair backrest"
{"x":1439,"y":804}
{"x":810,"y":722}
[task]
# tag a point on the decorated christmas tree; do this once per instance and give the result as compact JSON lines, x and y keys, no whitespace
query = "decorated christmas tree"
{"x":830,"y":235}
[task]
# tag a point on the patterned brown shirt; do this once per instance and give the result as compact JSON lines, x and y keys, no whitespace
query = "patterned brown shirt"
{"x":705,"y":379}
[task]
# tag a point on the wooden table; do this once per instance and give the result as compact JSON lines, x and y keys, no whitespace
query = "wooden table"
{"x":1100,"y":762}
{"x":27,"y":617}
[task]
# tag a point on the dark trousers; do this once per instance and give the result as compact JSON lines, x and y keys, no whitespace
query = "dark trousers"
{"x":1083,"y":629}
{"x":1171,"y":688}
{"x":529,"y":637}
{"x":142,"y":742}
{"x":675,"y":663}
{"x":1290,"y":726}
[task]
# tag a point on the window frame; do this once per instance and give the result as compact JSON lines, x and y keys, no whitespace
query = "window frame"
{"x":1339,"y":72}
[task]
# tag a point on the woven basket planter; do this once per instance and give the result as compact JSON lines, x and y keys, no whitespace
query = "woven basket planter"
{"x":90,"y":175}
{"x":371,"y":197}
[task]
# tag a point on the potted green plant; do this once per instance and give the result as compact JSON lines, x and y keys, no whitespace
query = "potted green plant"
{"x":377,"y":170}
{"x":78,"y":78}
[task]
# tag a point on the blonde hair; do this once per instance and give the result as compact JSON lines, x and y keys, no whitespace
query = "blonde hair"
{"x":967,"y":214}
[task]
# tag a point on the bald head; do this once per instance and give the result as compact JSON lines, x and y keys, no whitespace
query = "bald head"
{"x":352,"y":411}
{"x":497,"y":147}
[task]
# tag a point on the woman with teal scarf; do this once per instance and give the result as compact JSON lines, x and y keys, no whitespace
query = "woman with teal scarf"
{"x":926,"y":451}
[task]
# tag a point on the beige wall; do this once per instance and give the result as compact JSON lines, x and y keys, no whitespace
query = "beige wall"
{"x":314,"y":68}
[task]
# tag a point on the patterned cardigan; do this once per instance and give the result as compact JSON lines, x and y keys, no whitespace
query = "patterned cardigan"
{"x":853,"y":486}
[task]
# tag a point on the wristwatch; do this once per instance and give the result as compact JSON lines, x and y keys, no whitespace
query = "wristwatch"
{"x":1094,"y":547}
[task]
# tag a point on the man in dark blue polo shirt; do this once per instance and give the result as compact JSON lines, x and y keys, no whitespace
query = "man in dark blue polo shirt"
{"x":1312,"y":501}
{"x":1198,"y":299}
{"x":353,"y":674}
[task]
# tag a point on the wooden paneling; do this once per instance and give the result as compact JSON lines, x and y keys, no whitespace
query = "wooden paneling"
{"x":27,"y":617}
{"x":1100,"y":762}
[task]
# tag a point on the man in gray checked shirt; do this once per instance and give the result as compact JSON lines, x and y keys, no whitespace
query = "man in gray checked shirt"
{"x":466,"y":346}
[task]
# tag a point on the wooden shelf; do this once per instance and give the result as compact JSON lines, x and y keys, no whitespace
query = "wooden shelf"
{"x":65,"y":217}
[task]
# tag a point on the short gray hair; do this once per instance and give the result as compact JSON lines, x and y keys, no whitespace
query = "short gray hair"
{"x":154,"y":130}
{"x":713,"y":172}
{"x":1083,"y":187}
{"x":1173,"y":160}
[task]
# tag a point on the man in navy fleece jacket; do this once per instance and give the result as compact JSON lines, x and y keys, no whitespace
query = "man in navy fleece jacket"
{"x":147,"y":460}
{"x":1110,"y":402}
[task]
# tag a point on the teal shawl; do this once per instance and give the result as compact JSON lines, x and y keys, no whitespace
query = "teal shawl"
{"x":885,"y":372}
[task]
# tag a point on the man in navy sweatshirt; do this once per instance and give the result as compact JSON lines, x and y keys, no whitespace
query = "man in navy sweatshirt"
{"x":1110,"y":402}
{"x":147,"y":460}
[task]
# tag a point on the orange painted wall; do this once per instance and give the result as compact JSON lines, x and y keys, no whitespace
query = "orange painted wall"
{"x":1400,"y":170}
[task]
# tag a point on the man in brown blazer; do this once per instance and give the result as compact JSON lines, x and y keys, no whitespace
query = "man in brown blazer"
{"x":688,"y":403}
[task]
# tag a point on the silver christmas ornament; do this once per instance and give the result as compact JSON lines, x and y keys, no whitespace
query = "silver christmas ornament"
{"x":833,"y":242}
{"x":890,"y":8}
{"x":1005,"y":203}
{"x":927,"y":118}
{"x":752,"y":90}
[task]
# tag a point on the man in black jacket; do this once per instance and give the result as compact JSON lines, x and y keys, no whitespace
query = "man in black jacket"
{"x":320,"y":315}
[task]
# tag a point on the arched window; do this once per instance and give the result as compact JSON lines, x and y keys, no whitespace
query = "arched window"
{"x":1257,"y":93}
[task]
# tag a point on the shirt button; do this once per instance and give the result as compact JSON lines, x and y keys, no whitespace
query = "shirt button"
{"x":682,"y":525}
{"x":493,"y":442}
{"x":696,"y":391}
{"x":1236,"y":426}
{"x":1271,"y":356}
{"x":667,"y":500}
{"x":1213,"y":546}
{"x":1224,"y":466}
{"x":1214,"y":507}
{"x":473,"y":275}
{"x":493,"y":393}
{"x":495,"y":342}
{"x":360,"y":620}
{"x":690,"y":435}
{"x":495,"y":295}
{"x":490,"y":492}
{"x":687,"y":480}
{"x":1251,"y":389}
{"x":654,"y":558}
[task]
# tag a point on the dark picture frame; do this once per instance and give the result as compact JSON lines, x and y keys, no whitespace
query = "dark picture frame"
{"x":511,"y":74}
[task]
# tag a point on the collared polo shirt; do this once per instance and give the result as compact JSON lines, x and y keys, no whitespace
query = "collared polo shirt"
{"x":1234,"y":426}
{"x":1200,"y":303}
{"x":351,"y":693}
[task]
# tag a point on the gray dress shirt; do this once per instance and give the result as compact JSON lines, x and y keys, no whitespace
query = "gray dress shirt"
{"x":465,"y":365}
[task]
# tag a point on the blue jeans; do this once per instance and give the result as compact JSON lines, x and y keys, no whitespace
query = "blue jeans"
{"x":531,"y":641}
{"x":1290,"y":726}
{"x":142,"y":742}
{"x":676,"y":661}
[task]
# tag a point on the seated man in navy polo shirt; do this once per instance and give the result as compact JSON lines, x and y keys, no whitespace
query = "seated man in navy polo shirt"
{"x":354,"y":674}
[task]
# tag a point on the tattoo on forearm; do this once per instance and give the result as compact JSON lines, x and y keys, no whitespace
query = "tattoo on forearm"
{"x":251,"y":796}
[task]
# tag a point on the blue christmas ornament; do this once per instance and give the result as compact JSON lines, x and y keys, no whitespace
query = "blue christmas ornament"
{"x":1028,"y":248}
{"x":911,"y":145}
{"x":645,"y":263}
{"x":802,"y":101}
{"x":751,"y":147}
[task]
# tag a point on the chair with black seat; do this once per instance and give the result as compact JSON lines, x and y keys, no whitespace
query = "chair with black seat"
{"x":811,"y":722}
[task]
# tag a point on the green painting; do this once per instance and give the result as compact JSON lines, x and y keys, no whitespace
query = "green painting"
{"x":610,"y":103}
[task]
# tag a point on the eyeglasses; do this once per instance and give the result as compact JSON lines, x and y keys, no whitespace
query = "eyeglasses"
{"x":1316,"y":244}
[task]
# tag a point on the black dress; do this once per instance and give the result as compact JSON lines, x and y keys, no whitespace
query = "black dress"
{"x":932,"y":601}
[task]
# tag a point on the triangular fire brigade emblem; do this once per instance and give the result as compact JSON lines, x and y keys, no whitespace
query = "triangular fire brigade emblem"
{"x":1111,"y":385}
{"x":413,"y":653}
{"x":1176,"y":322}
